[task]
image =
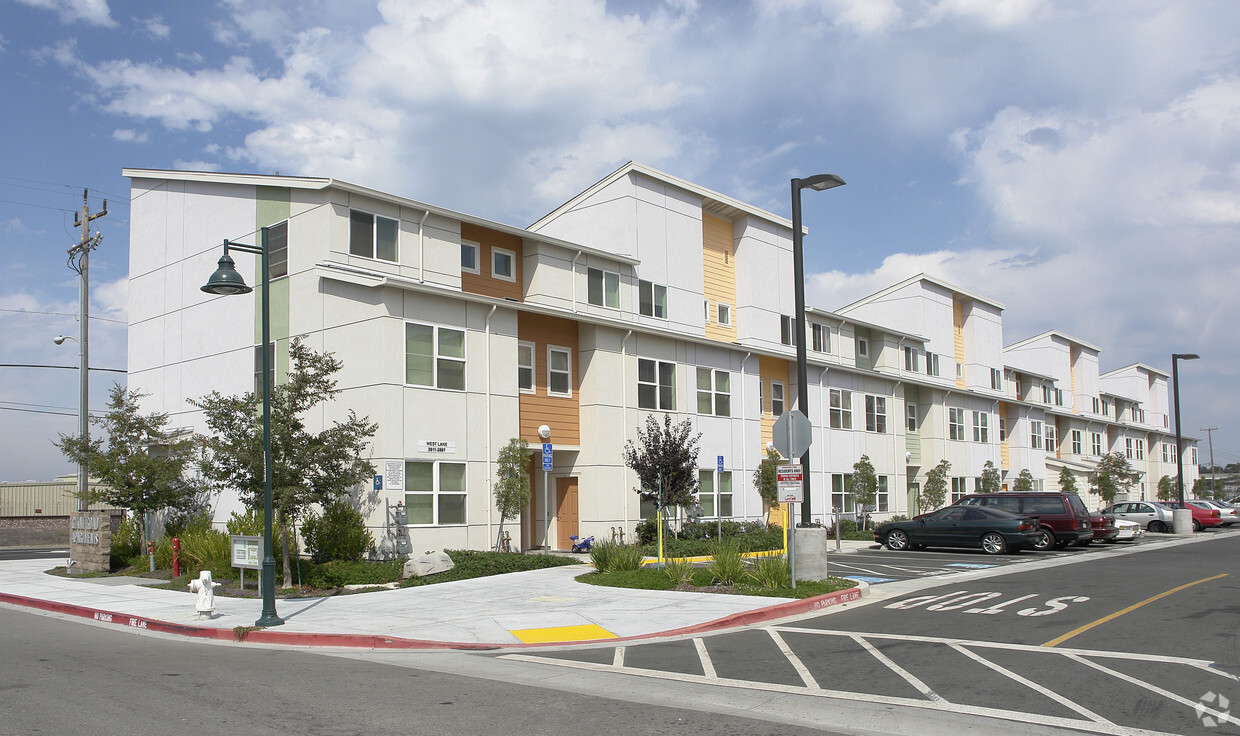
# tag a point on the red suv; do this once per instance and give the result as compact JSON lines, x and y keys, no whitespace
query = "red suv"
{"x":1203,"y":515}
{"x":1062,"y":517}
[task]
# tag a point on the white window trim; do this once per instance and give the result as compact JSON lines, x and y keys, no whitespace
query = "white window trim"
{"x":436,"y":357}
{"x":658,"y":401}
{"x":863,"y":347}
{"x":532,"y":366}
{"x":783,"y":397}
{"x":722,"y":310}
{"x":435,"y":492}
{"x":569,"y":353}
{"x":605,"y":273}
{"x":512,"y":259}
{"x":374,"y":236}
{"x":477,"y":248}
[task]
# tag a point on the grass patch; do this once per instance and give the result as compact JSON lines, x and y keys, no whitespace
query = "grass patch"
{"x":651,"y":579}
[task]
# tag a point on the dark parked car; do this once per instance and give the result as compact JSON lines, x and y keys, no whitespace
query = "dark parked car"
{"x":994,"y":530}
{"x":1104,"y":528}
{"x":1062,"y":517}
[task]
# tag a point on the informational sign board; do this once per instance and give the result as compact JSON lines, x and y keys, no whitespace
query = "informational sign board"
{"x":789,"y":479}
{"x":378,"y":482}
{"x":394,"y":475}
{"x":247,"y":552}
{"x":546,"y":455}
{"x":719,"y":463}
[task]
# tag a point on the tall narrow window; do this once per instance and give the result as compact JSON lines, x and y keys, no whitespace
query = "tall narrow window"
{"x":559,"y":371}
{"x":652,"y":299}
{"x":876,"y":414}
{"x":822,"y":338}
{"x":996,"y":379}
{"x":1051,"y":438}
{"x":841,"y":408}
{"x":863,"y":347}
{"x":277,"y":250}
{"x":787,"y":333}
{"x":469,"y":256}
{"x":1095,"y":444}
{"x":1076,"y":442}
{"x":911,"y":417}
{"x":955,"y":423}
{"x":1035,"y":435}
{"x":777,"y":398}
{"x":525,"y":367}
{"x":910,"y":358}
{"x":258,"y":367}
{"x":932,"y":364}
{"x":981,"y":426}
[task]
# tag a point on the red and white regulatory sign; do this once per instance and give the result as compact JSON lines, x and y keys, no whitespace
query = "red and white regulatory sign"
{"x":789,"y":479}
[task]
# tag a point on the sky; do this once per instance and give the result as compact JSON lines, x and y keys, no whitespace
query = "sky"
{"x":1077,"y":161}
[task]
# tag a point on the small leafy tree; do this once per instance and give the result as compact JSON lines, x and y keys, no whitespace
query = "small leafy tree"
{"x":339,"y":533}
{"x":143,"y":467}
{"x":512,"y":482}
{"x":307,"y":467}
{"x":665,"y":453}
{"x":1166,"y":489}
{"x":1024,"y":482}
{"x":864,"y":486}
{"x":990,"y":481}
{"x":1201,"y":489}
{"x":934,"y":490}
{"x":1067,"y":481}
{"x":765,"y":481}
{"x":1113,"y":475}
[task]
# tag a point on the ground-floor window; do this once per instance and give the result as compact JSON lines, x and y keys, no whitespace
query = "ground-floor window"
{"x":960,"y":489}
{"x":435,"y":492}
{"x":882,"y":499}
{"x":715,"y":497}
{"x":841,"y":493}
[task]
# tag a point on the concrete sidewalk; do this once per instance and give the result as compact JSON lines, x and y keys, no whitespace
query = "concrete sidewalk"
{"x":523,"y":609}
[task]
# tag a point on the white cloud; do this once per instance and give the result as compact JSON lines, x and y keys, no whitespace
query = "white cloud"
{"x":155,"y":27}
{"x":94,"y":12}
{"x":196,"y":165}
{"x":128,"y":135}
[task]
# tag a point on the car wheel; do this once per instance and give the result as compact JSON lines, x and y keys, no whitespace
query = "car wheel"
{"x":1196,"y":525}
{"x":1157,"y":526}
{"x":993,"y":544}
{"x":897,"y":540}
{"x":1046,"y":540}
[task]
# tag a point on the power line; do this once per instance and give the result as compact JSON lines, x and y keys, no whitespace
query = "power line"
{"x":62,"y":367}
{"x":63,"y":314}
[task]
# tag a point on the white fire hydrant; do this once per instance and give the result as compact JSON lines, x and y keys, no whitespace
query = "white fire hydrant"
{"x":205,"y":589}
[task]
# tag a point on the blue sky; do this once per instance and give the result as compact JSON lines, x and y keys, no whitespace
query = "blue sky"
{"x":1077,"y":161}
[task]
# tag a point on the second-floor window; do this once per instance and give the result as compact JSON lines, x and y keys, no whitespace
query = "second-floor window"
{"x":1095,"y":444}
{"x":714,"y":395}
{"x":787,"y":333}
{"x":876,"y":414}
{"x":1128,"y":447}
{"x":841,"y":408}
{"x":656,"y":385}
{"x":910,"y":358}
{"x":777,"y":398}
{"x":603,"y":288}
{"x":1051,"y":439}
{"x":525,"y":367}
{"x":1035,"y":435}
{"x":503,"y":264}
{"x":1076,"y":442}
{"x":559,"y":371}
{"x":1140,"y":448}
{"x":981,"y":426}
{"x":652,"y":299}
{"x":955,"y":423}
{"x":372,"y":236}
{"x":910,"y":411}
{"x":996,"y":379}
{"x":863,"y":347}
{"x":725,"y":314}
{"x":434,"y":356}
{"x":277,"y":250}
{"x":821,"y":338}
{"x":932,"y":364}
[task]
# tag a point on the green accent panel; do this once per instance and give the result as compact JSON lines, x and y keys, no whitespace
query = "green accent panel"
{"x":272,"y":205}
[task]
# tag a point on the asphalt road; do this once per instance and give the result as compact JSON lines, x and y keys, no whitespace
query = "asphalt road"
{"x":34,"y":553}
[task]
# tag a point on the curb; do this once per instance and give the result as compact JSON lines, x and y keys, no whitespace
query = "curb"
{"x":372,"y":641}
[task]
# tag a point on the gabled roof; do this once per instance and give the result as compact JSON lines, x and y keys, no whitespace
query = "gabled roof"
{"x":915,"y":279}
{"x":1138,"y":366}
{"x":815,"y":312}
{"x":1053,"y":333}
{"x":318,"y":183}
{"x":712,"y":202}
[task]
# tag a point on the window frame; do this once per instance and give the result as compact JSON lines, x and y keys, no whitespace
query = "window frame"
{"x":524,"y":345}
{"x":714,"y":395}
{"x":723,"y":314}
{"x":911,"y":359}
{"x":437,"y":356}
{"x":821,"y":337}
{"x":277,"y":250}
{"x":511,"y":276}
{"x":603,"y":275}
{"x":932,"y":364}
{"x":787,"y":330}
{"x":840,"y":411}
{"x":981,"y":427}
{"x":477,"y":251}
{"x":436,"y":492}
{"x":1095,"y":443}
{"x":782,"y":393}
{"x":1035,"y":434}
{"x":567,"y":372}
{"x":955,"y":423}
{"x":373,"y":248}
{"x":910,"y":417}
{"x":658,"y":384}
{"x":1076,"y":439}
{"x":876,"y":414}
{"x":653,"y":295}
{"x":863,"y":347}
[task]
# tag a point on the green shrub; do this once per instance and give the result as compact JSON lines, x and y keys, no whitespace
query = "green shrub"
{"x":647,"y":531}
{"x":339,"y":573}
{"x":679,"y":571}
{"x":250,"y":524}
{"x":203,"y":549}
{"x":126,"y":543}
{"x":771,"y":572}
{"x":726,"y":566}
{"x":475,"y":564}
{"x":179,"y":521}
{"x":339,"y":533}
{"x":615,"y":557}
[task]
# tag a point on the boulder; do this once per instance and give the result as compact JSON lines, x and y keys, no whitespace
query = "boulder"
{"x":428,"y":564}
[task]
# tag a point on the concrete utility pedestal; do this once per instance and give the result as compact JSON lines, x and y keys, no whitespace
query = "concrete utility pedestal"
{"x":1182,"y":522}
{"x":811,"y":553}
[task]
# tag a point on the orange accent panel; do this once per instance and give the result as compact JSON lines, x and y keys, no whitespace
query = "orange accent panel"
{"x":483,"y":282}
{"x":958,"y":334}
{"x":718,"y":274}
{"x":770,"y":368}
{"x":561,"y":413}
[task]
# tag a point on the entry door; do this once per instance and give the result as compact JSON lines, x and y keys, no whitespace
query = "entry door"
{"x":914,"y":498}
{"x":565,"y":512}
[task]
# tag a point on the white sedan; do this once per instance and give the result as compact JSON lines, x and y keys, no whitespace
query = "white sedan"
{"x":1129,"y":531}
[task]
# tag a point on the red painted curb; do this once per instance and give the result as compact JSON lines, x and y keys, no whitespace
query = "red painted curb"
{"x":371,"y":641}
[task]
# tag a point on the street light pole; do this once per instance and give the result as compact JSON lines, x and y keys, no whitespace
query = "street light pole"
{"x":1179,"y":448}
{"x":818,"y":183}
{"x":226,"y":281}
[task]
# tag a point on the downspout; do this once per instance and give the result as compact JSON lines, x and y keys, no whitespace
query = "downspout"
{"x":895,"y":442}
{"x":421,"y":248}
{"x":487,"y":363}
{"x":744,"y":444}
{"x":624,"y":399}
{"x":824,"y":417}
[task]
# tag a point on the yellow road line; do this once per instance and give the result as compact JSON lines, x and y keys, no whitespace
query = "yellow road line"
{"x":1133,"y":607}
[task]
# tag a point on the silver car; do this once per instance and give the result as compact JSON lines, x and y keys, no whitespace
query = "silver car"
{"x":1152,"y":516}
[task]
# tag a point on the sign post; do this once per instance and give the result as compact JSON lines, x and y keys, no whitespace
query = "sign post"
{"x":790,"y":478}
{"x":546,"y":458}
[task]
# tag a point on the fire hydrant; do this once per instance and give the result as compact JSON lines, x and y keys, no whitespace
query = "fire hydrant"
{"x":176,"y":557}
{"x":205,"y":589}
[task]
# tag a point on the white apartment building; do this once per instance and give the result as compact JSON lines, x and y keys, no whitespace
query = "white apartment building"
{"x":645,"y":294}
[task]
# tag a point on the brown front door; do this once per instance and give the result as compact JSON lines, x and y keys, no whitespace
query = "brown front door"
{"x":565,"y":512}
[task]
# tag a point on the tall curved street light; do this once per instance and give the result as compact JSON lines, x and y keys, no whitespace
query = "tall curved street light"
{"x":817,"y":183}
{"x":1179,"y":449}
{"x":226,"y":281}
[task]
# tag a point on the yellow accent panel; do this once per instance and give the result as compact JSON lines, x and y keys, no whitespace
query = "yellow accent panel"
{"x":718,"y":274}
{"x":958,"y":334}
{"x":562,"y":633}
{"x":772,"y":369}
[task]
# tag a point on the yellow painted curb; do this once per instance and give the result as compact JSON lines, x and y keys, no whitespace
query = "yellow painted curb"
{"x":562,"y":633}
{"x":708,"y":558}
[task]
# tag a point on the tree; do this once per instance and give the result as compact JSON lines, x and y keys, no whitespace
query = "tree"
{"x":1166,"y":489}
{"x":668,"y":453}
{"x":864,"y":486}
{"x":1024,"y":482}
{"x":512,"y":482}
{"x":143,"y":467}
{"x":1067,"y":481}
{"x":1113,"y":475}
{"x":307,"y":467}
{"x":1201,"y":489}
{"x":934,"y":490}
{"x":990,"y":481}
{"x":765,"y":481}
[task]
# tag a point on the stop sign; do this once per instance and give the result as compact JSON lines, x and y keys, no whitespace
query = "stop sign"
{"x":792,"y":434}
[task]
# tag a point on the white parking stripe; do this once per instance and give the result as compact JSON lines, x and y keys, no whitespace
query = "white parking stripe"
{"x":704,"y":657}
{"x":794,"y":660}
{"x":1031,"y":685}
{"x":917,"y":684}
{"x":1224,"y":717}
{"x":617,"y":658}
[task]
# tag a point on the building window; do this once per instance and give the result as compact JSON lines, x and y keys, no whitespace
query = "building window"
{"x":996,"y":379}
{"x":715,"y":501}
{"x":882,"y":498}
{"x":1097,"y":406}
{"x":525,"y":367}
{"x":656,"y":385}
{"x":277,"y":250}
{"x":1174,"y":454}
{"x":955,"y":423}
{"x":841,"y":408}
{"x":821,"y":338}
{"x":1106,"y":408}
{"x":706,"y":311}
{"x":725,"y":314}
{"x":1003,"y":429}
{"x":787,"y":335}
{"x":841,"y":493}
{"x":603,"y":288}
{"x":1095,"y":443}
{"x":435,"y":493}
{"x":1051,"y":439}
{"x":559,"y":371}
{"x":503,"y":264}
{"x":932,"y":364}
{"x":959,"y":369}
{"x":960,"y":488}
{"x":258,"y":367}
{"x":713,"y":392}
{"x":1140,"y":446}
{"x":1192,"y":456}
{"x":911,"y":417}
{"x":371,"y":236}
{"x":1128,"y":447}
{"x":469,"y":256}
{"x":876,"y":414}
{"x":434,"y":356}
{"x":1035,"y":435}
{"x":777,"y":398}
{"x":981,"y":426}
{"x":652,"y":299}
{"x":1076,"y":442}
{"x":863,"y":347}
{"x":910,"y":358}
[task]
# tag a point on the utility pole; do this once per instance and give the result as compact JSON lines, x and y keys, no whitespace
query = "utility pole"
{"x":1210,"y":434}
{"x":79,"y":257}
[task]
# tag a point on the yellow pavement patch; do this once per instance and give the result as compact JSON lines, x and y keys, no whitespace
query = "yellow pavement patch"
{"x":708,"y":558}
{"x":562,"y":633}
